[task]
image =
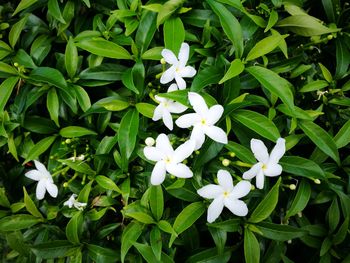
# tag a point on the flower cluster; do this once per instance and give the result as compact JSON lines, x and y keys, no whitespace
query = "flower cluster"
{"x":202,"y":121}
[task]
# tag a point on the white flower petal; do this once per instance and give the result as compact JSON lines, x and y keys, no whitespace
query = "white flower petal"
{"x":179,"y":170}
{"x":163,"y":144}
{"x":175,"y":107}
{"x":184,"y":151}
{"x":169,"y":56}
{"x":210,"y":191}
{"x":237,"y":207}
{"x":68,"y":203}
{"x":252,"y":172}
{"x":40,"y":189}
{"x":215,"y":209}
{"x":52,"y":189}
{"x":260,"y":180}
{"x":241,"y":189}
{"x":188,"y":72}
{"x":198,"y":103}
{"x":198,"y":136}
{"x":167,"y":119}
{"x":184,"y":54}
{"x":187,"y":120}
{"x":34,"y":175}
{"x":180,"y":82}
{"x":278,"y":151}
{"x":172,"y":87}
{"x":168,"y":75}
{"x":40,"y":167}
{"x":217,"y":134}
{"x":158,"y":113}
{"x":158,"y":173}
{"x":260,"y":151}
{"x":152,"y":153}
{"x":214,"y":114}
{"x":225,"y":180}
{"x":273,"y":170}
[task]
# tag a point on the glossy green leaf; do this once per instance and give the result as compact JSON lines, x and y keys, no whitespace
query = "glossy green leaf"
{"x":30,"y":205}
{"x":16,"y":30}
{"x":71,"y":58}
{"x":314,"y":86}
{"x":73,"y":227}
{"x":146,"y":30}
{"x":79,"y":166}
{"x":174,"y":34}
{"x":145,"y":109}
{"x":40,"y":148}
{"x":342,"y":138}
{"x":167,"y":9}
{"x":107,"y":183}
{"x":301,"y":199}
{"x":53,"y":106}
{"x":279,"y":232}
{"x":205,"y":77}
{"x":55,"y":11}
{"x":156,"y":201}
{"x":236,"y":68}
{"x":52,"y":249}
{"x":6,"y":88}
{"x":18,"y":222}
{"x":272,"y":20}
{"x":264,"y":46}
{"x":130,"y":235}
{"x":49,"y":76}
{"x":302,"y":167}
{"x":23,"y":5}
{"x":251,"y":247}
{"x":75,"y":131}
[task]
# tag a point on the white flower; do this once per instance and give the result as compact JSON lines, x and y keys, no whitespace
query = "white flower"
{"x":267,"y":164}
{"x":72,"y":202}
{"x":79,"y":158}
{"x":202,"y":121}
{"x":150,"y":141}
{"x":178,"y":70}
{"x":168,"y":160}
{"x":45,"y":182}
{"x":166,"y":107}
{"x":225,"y":194}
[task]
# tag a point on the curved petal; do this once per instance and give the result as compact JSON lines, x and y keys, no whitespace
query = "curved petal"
{"x":198,"y":136}
{"x":163,"y":144}
{"x":172,"y":87}
{"x":278,"y":151}
{"x":241,"y":189}
{"x":152,"y":153}
{"x":215,"y":209}
{"x":175,"y":107}
{"x":40,"y":167}
{"x":273,"y":170}
{"x":252,"y":172}
{"x":167,"y":119}
{"x":52,"y":189}
{"x":184,"y":54}
{"x":210,"y":191}
{"x":158,"y":113}
{"x":169,"y":56}
{"x":214,"y":114}
{"x":260,"y":180}
{"x":217,"y":134}
{"x":40,"y":189}
{"x":180,"y":82}
{"x":179,"y":170}
{"x":260,"y":151}
{"x":34,"y":175}
{"x":187,"y":72}
{"x":158,"y":173}
{"x":187,"y":120}
{"x":168,"y":75}
{"x":198,"y":103}
{"x":225,"y":180}
{"x":184,"y":151}
{"x":237,"y":207}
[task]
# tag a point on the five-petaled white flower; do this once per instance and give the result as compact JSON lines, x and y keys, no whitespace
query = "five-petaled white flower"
{"x":168,"y":160}
{"x":72,"y":202}
{"x":225,"y":194}
{"x":267,"y":164}
{"x":45,"y":182}
{"x":202,"y":121}
{"x":178,"y":70}
{"x":166,"y":107}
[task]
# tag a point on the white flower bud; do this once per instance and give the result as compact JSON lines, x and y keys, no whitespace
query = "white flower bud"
{"x":150,"y":141}
{"x":225,"y":162}
{"x":317,"y":181}
{"x":292,"y":187}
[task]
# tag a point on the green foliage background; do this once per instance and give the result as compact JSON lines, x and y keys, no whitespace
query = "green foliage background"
{"x":78,"y":77}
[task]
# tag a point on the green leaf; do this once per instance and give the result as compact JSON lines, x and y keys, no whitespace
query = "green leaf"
{"x":104,"y":48}
{"x":74,"y":227}
{"x":145,"y":109}
{"x":156,"y":242}
{"x":140,"y":213}
{"x":83,"y":98}
{"x":146,"y":30}
{"x":314,"y":85}
{"x":147,"y":253}
{"x":40,"y":148}
{"x":84,"y":193}
{"x":272,"y":20}
{"x":325,"y":72}
{"x":242,"y":152}
{"x":342,"y":138}
{"x":342,"y":232}
{"x":18,"y":222}
{"x":127,"y":135}
{"x":186,"y":218}
{"x":30,"y":205}
{"x":6,"y":89}
{"x":153,"y":54}
{"x":107,"y":183}
{"x":55,"y":11}
{"x":16,"y":31}
{"x":128,"y":80}
{"x":230,"y":25}
{"x":156,"y":201}
{"x":180,"y":96}
{"x":279,"y":232}
{"x":321,"y":138}
{"x":231,"y":225}
{"x":267,"y":205}
{"x":274,"y":83}
{"x":264,"y":46}
{"x":302,"y":167}
{"x":167,"y":9}
{"x":78,"y":166}
{"x":75,"y":131}
{"x":205,"y":77}
{"x":53,"y":106}
{"x":50,"y":76}
{"x":7,"y":71}
{"x":52,"y":249}
{"x":113,"y":104}
{"x":174,"y":34}
{"x":333,"y":215}
{"x":101,"y":254}
{"x":23,"y":5}
{"x":236,"y":68}
{"x":71,"y":58}
{"x":300,"y":200}
{"x":251,"y":247}
{"x":129,"y":236}
{"x":342,"y":58}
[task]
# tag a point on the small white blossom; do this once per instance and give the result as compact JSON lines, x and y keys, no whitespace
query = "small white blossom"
{"x":150,"y":141}
{"x":45,"y":182}
{"x":71,"y":202}
{"x":178,"y":69}
{"x":225,"y":194}
{"x":166,"y":107}
{"x":267,"y":164}
{"x":168,"y":160}
{"x":203,"y":121}
{"x":77,"y":158}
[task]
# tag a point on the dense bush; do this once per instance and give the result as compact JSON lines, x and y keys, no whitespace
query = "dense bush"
{"x":80,"y":82}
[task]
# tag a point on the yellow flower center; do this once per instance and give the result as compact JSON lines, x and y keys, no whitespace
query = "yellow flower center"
{"x":226,"y":194}
{"x":167,"y":160}
{"x":264,"y":167}
{"x":203,"y":122}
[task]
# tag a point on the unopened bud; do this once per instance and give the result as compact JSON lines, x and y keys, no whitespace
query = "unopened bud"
{"x":289,"y":241}
{"x":232,"y":154}
{"x":68,"y":141}
{"x":329,"y":37}
{"x":300,"y":214}
{"x":292,"y":187}
{"x":225,"y":162}
{"x":150,"y":141}
{"x":317,"y":181}
{"x":16,"y":64}
{"x":162,"y":61}
{"x":65,"y":184}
